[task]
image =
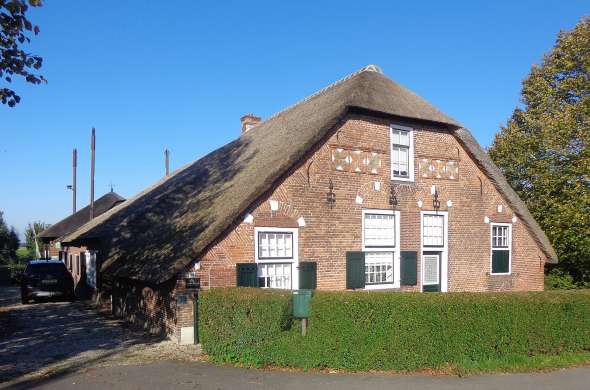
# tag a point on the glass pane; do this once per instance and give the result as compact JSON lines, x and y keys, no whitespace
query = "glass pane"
{"x":378,"y":267}
{"x":431,"y":270}
{"x":404,"y":138}
{"x":379,"y":230}
{"x":395,"y":136}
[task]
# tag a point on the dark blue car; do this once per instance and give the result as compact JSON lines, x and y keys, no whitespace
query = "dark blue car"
{"x":46,"y":279}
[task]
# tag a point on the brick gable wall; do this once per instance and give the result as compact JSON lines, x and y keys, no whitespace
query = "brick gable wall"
{"x":330,"y":232}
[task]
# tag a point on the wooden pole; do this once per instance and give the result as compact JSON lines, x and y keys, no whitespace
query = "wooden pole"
{"x":92,"y":149}
{"x":74,"y":167}
{"x":167,"y":161}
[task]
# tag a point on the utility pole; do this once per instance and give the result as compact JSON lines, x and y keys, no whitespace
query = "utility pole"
{"x":92,"y":149}
{"x":74,"y":166}
{"x":167,"y":161}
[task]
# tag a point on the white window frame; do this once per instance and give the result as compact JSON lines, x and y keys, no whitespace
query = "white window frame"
{"x":509,"y":225}
{"x":410,"y":131}
{"x":444,"y":250}
{"x":294,"y":261}
{"x":395,"y":249}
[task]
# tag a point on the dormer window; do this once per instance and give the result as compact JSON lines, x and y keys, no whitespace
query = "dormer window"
{"x":402,"y":153}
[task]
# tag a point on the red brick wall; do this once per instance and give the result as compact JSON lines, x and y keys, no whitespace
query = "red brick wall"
{"x":151,"y":307}
{"x":329,"y":233}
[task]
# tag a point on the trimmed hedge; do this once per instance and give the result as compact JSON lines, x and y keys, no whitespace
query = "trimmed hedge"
{"x":392,"y":331}
{"x":238,"y":324}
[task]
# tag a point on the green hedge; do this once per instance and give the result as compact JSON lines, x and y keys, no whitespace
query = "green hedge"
{"x":238,"y":324}
{"x":392,"y":331}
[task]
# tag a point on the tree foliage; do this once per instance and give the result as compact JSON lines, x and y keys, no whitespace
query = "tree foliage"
{"x":32,"y":241}
{"x":14,"y":60}
{"x":544,"y":150}
{"x":9,"y":242}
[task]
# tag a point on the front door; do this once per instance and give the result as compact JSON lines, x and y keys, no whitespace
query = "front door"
{"x":431,"y":264}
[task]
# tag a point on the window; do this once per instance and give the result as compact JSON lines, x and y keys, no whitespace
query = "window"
{"x":501,"y":248}
{"x":380,"y":237}
{"x":402,"y":153}
{"x":379,"y":230}
{"x":378,"y":267}
{"x":276,"y":257}
{"x":275,"y":245}
{"x":275,"y":275}
{"x":433,"y":230}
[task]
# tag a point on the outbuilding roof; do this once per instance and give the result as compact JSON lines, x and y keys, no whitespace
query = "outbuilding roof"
{"x":161,"y":230}
{"x":82,"y":216}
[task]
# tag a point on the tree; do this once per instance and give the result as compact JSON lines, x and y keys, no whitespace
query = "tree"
{"x":544,"y":150}
{"x":9,"y":242}
{"x":32,"y":241}
{"x":14,"y":61}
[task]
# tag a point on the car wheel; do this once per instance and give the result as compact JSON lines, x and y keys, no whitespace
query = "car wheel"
{"x":25,"y":300}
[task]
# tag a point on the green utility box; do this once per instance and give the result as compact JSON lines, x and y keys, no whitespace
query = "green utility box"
{"x":301,"y":300}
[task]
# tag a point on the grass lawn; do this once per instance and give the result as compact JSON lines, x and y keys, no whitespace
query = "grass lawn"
{"x":518,"y":363}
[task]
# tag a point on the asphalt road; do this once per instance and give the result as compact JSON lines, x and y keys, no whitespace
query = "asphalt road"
{"x":197,"y":375}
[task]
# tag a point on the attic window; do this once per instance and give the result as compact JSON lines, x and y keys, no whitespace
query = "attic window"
{"x":402,"y":153}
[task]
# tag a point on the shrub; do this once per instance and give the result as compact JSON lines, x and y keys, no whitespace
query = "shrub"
{"x":237,"y":323}
{"x":390,"y":331}
{"x":16,"y":271}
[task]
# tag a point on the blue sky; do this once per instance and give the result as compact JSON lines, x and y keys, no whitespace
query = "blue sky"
{"x":179,"y":74}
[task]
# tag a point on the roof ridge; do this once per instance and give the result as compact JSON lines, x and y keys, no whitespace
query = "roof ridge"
{"x":368,"y":68}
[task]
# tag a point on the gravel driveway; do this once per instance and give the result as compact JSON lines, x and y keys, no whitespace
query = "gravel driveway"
{"x":52,"y":337}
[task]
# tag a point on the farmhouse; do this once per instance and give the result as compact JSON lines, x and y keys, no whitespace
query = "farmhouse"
{"x":362,"y":185}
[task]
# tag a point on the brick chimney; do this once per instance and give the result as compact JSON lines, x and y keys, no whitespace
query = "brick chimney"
{"x":249,"y":121}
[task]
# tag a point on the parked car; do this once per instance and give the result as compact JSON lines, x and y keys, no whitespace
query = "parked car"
{"x":44,"y":279}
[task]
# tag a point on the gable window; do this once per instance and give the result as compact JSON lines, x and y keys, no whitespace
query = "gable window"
{"x":501,"y":242}
{"x":277,"y":258}
{"x":380,"y":238}
{"x":402,"y":153}
{"x":433,"y":227}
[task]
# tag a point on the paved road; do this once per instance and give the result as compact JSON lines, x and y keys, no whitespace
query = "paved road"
{"x":197,"y":375}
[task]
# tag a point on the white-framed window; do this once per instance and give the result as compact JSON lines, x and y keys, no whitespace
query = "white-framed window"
{"x":275,"y":245}
{"x":275,"y":275}
{"x":379,"y":229}
{"x":402,"y":153}
{"x":433,"y":230}
{"x":434,"y":245}
{"x":380,"y":237}
{"x":276,"y":253}
{"x":501,"y":248}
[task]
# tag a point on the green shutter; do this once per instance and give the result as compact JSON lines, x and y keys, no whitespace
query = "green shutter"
{"x":247,"y":275}
{"x":500,"y":261}
{"x":409,"y":268}
{"x":355,"y":270}
{"x":308,"y":275}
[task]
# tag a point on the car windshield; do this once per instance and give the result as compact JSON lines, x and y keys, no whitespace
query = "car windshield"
{"x":55,"y":270}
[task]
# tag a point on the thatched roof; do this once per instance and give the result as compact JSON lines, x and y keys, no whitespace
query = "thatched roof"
{"x":74,"y":221}
{"x":158,"y":232}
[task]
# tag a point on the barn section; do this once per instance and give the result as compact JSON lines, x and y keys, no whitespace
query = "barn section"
{"x":296,"y":173}
{"x":80,"y":260}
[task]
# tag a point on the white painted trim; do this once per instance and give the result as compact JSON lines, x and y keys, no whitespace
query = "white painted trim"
{"x":444,"y":267}
{"x":294,"y":261}
{"x":509,"y":248}
{"x":410,"y":131}
{"x":395,"y":249}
